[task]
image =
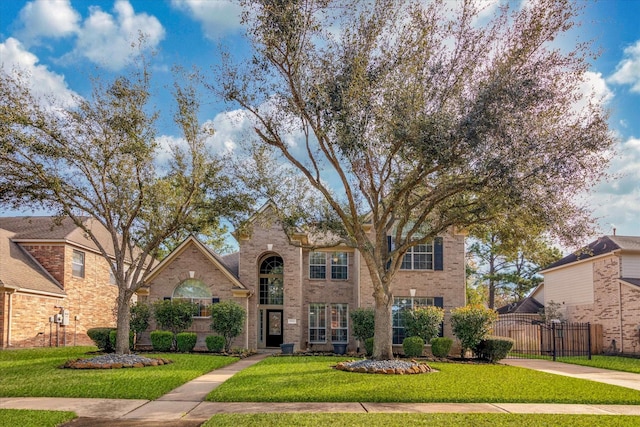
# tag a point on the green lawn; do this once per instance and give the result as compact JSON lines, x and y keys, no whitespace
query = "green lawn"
{"x":29,"y":418}
{"x":311,"y":379}
{"x":617,"y":363}
{"x":431,"y":420}
{"x":36,"y":373}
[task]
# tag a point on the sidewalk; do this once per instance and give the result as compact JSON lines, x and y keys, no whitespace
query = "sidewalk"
{"x":185,"y":406}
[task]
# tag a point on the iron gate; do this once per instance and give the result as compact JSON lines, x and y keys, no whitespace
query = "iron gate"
{"x":534,"y":338}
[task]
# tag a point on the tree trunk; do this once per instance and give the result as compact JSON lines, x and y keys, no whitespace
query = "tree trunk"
{"x":123,"y":322}
{"x":383,"y":339}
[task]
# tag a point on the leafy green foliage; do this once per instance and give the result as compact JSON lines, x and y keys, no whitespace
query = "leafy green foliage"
{"x":423,"y":322}
{"x":368,"y":346}
{"x":140,"y":316}
{"x":227,"y":319}
{"x":112,"y":339}
{"x":362,"y":323}
{"x":471,"y":324}
{"x":413,"y":346}
{"x":215,"y":343}
{"x":174,"y":315}
{"x":441,"y":346}
{"x":186,"y":341}
{"x":161,"y":340}
{"x":494,"y":349}
{"x":100,"y":337}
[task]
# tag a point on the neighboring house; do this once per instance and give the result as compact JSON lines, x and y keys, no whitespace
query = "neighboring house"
{"x":528,"y":305}
{"x":49,"y":269}
{"x":302,"y":296}
{"x":600,"y":284}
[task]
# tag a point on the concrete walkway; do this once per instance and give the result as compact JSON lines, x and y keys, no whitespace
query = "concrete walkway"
{"x":185,"y":406}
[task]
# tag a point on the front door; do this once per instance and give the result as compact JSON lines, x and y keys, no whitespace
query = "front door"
{"x":274,"y":328}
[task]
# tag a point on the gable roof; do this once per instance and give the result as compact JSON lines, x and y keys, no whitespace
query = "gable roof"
{"x":19,"y":271}
{"x":526,"y":305}
{"x":602,"y":246}
{"x":216,"y":259}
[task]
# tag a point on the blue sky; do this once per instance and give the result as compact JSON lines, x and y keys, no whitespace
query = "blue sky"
{"x":60,"y":42}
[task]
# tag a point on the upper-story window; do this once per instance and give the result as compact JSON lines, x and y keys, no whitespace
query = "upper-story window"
{"x":339,"y":262}
{"x":419,"y":257}
{"x":77,"y":264}
{"x":272,"y":281}
{"x":196,"y":292}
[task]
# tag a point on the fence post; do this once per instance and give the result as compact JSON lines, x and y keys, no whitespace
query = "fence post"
{"x":553,"y":339}
{"x":589,"y":338}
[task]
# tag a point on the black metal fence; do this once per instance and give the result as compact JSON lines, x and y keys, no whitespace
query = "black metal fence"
{"x":534,"y":338}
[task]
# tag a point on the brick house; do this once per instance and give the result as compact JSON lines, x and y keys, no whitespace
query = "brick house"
{"x":302,"y":296}
{"x":600,"y":284}
{"x":48,"y":269}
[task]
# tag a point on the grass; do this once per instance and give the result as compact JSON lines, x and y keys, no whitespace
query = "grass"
{"x":616,"y":363}
{"x":431,"y":420}
{"x":30,"y":418}
{"x":36,"y":373}
{"x":311,"y":379}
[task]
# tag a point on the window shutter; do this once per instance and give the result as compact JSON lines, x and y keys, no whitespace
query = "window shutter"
{"x":438,"y":258}
{"x":439,"y":302}
{"x":389,"y":249}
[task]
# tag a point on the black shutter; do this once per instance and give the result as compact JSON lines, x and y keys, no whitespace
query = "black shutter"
{"x":439,"y":302}
{"x":389,"y":248}
{"x":438,"y":258}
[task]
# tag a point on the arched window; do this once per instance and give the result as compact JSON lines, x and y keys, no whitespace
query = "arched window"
{"x":197,"y":292}
{"x":271,"y":281}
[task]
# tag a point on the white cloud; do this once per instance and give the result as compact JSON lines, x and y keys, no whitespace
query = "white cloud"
{"x":593,"y":89}
{"x":46,"y":18}
{"x":43,"y":82}
{"x":217,"y":17}
{"x":628,"y":70}
{"x":107,"y":39}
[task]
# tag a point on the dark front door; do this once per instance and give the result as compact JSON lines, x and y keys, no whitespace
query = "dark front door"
{"x":274,"y":328}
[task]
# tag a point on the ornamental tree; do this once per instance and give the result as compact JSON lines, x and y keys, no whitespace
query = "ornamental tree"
{"x":227,"y":319}
{"x":416,"y":117}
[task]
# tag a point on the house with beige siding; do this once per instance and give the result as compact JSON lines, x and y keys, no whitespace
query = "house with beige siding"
{"x":295,"y":294}
{"x":54,"y":284}
{"x":600,"y":284}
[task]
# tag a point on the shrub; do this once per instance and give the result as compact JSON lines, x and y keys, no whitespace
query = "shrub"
{"x":161,"y":340}
{"x":100,"y":337}
{"x":186,"y":341}
{"x":174,"y":315}
{"x":362,"y":323}
{"x":494,"y":348}
{"x":215,"y":343}
{"x":140,"y":313}
{"x":112,"y":339}
{"x":413,"y":346}
{"x":227,"y":319}
{"x":471,"y":324}
{"x":423,"y":322}
{"x":440,"y":346}
{"x":368,"y":346}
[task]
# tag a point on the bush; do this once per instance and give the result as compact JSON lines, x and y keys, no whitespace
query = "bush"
{"x":471,"y":324}
{"x":494,"y":348}
{"x":215,"y":343}
{"x":186,"y":341}
{"x":227,"y":319}
{"x":112,"y":339}
{"x":368,"y":346}
{"x":413,"y":346}
{"x":100,"y":337}
{"x":362,"y":323}
{"x":140,"y":313}
{"x":423,"y":322}
{"x":161,"y":340}
{"x":440,"y":346}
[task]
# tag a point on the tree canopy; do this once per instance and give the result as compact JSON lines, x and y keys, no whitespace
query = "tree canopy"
{"x":423,"y":116}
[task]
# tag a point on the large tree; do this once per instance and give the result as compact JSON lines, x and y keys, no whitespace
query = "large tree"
{"x":99,"y":158}
{"x":415,"y":117}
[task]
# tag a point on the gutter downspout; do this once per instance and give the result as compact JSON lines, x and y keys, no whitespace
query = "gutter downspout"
{"x":10,"y":315}
{"x":620,"y":316}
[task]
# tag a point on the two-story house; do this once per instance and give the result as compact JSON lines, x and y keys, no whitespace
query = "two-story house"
{"x":293,"y":294}
{"x":54,"y":284}
{"x":600,"y":284}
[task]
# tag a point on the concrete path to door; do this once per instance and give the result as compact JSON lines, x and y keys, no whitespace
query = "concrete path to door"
{"x":185,"y":406}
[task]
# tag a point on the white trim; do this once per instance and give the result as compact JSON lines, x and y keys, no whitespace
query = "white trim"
{"x":581,"y":261}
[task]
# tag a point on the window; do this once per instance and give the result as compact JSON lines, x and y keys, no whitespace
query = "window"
{"x":317,"y":323}
{"x":339,"y":323}
{"x":272,"y":281}
{"x":402,"y":304}
{"x":77,"y":264}
{"x":339,"y":265}
{"x":196,"y":292}
{"x":419,"y":257}
{"x":317,"y":265}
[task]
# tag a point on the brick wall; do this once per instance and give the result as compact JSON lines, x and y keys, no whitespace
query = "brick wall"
{"x":51,"y":257}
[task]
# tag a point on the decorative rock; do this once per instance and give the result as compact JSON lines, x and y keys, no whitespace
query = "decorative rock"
{"x":389,"y":367}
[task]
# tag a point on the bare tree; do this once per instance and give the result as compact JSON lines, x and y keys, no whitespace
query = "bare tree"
{"x":416,"y":118}
{"x":98,"y":159}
